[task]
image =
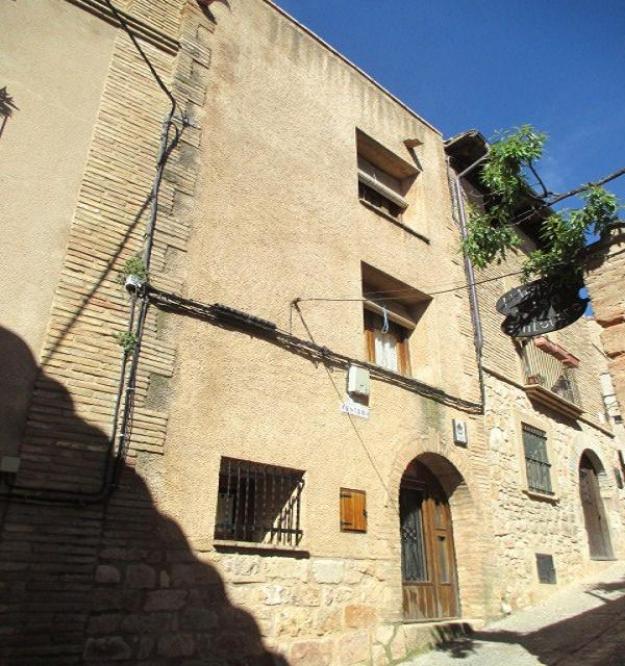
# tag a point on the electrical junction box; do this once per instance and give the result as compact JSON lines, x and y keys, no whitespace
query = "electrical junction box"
{"x":358,"y":380}
{"x":461,"y":435}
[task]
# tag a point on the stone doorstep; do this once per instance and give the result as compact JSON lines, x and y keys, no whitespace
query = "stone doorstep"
{"x":474,"y":623}
{"x":420,"y":636}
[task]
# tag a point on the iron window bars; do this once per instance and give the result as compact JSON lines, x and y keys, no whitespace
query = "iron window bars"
{"x":259,"y":503}
{"x":550,"y":373}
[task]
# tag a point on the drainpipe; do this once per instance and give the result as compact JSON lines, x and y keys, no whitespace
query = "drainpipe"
{"x":478,"y":335}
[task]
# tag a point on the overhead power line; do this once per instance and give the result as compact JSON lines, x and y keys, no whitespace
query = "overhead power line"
{"x":372,"y":295}
{"x":523,"y":217}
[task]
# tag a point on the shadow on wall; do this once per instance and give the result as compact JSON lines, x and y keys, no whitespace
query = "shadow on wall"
{"x":7,"y":106}
{"x":595,"y":636}
{"x":113,"y":582}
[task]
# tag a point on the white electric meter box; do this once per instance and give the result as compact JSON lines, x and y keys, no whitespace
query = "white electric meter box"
{"x":358,"y":380}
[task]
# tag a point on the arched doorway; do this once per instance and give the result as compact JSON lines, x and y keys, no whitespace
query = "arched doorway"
{"x":428,"y":563}
{"x":595,"y":520}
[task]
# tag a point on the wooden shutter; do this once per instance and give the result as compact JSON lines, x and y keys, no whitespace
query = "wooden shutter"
{"x":404,"y":358}
{"x":353,"y":510}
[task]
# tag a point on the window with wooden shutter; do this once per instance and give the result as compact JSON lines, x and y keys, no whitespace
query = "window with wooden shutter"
{"x":383,"y":177}
{"x":388,"y":350}
{"x":392,"y":311}
{"x":353,"y":510}
{"x":536,"y":461}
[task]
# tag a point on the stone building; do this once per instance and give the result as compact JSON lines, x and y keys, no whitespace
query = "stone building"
{"x":293,"y":461}
{"x":605,"y":278}
{"x":555,"y":447}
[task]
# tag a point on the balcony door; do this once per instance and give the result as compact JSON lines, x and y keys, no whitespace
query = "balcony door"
{"x":428,"y":563}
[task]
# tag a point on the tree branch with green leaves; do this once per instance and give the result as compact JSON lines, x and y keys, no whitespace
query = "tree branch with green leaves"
{"x":492,"y":231}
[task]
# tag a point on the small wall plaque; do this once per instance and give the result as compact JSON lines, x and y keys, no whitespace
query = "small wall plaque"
{"x":461,"y":436}
{"x":355,"y":409}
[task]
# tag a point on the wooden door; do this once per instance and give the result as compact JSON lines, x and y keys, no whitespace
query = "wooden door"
{"x":428,"y":563}
{"x":594,"y":513}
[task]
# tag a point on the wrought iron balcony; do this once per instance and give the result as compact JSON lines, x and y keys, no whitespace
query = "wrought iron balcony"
{"x":550,"y":377}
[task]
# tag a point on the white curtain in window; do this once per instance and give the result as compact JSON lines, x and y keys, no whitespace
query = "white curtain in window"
{"x":386,"y":350}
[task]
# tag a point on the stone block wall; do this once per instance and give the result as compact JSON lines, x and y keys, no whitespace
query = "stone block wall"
{"x":525,"y":524}
{"x":605,"y":279}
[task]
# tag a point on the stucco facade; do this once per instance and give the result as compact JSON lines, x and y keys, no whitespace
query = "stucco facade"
{"x":111,"y":544}
{"x":55,"y":79}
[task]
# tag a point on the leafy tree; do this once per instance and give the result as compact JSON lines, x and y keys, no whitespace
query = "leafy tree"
{"x":492,"y":229}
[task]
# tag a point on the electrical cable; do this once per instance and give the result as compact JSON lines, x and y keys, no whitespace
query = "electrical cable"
{"x":351,"y":420}
{"x":381,"y":294}
{"x":523,"y":217}
{"x":408,"y":291}
{"x":230,"y":317}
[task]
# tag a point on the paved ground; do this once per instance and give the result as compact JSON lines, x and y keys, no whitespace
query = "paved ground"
{"x":583,"y":625}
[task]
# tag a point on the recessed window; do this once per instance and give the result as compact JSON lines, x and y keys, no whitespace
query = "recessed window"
{"x":383,"y":177}
{"x":392,"y":311}
{"x":536,"y":461}
{"x":259,"y":503}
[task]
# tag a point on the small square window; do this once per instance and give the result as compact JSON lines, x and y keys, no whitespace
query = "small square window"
{"x":258,"y":503}
{"x":546,"y":569}
{"x":536,"y":461}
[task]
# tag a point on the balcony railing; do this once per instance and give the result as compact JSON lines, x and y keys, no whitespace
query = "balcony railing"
{"x":550,"y":381}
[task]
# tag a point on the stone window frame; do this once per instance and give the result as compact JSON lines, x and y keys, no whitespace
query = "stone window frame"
{"x":540,"y":423}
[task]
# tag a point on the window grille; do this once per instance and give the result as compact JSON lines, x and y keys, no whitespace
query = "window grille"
{"x":536,"y":461}
{"x":414,"y":563}
{"x":259,"y":503}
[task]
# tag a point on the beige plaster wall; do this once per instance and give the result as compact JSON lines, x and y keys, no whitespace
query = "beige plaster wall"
{"x":278,"y":217}
{"x":53,"y":63}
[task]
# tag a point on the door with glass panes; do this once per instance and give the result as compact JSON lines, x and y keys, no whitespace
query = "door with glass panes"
{"x":429,"y":578}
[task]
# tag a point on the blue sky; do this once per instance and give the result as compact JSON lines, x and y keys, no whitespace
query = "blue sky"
{"x":495,"y":64}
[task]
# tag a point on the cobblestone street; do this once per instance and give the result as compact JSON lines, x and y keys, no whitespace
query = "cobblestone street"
{"x":583,"y":625}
